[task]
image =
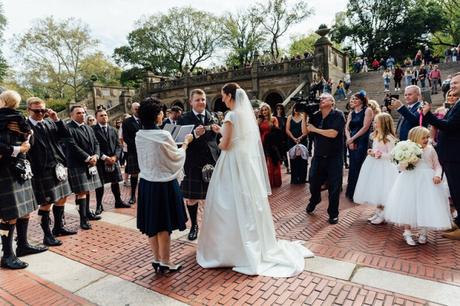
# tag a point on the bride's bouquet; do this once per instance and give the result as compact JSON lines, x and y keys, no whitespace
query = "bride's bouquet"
{"x":406,"y":154}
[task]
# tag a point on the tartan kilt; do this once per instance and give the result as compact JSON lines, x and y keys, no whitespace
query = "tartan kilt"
{"x":193,"y":186}
{"x":48,"y":189}
{"x":17,"y":198}
{"x":109,"y":177}
{"x":132,"y":165}
{"x":81,"y":182}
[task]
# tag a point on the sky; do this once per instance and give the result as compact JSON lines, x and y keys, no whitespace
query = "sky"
{"x":110,"y":21}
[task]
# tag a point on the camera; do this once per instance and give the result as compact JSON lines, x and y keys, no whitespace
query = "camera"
{"x":396,"y":97}
{"x":308,"y":106}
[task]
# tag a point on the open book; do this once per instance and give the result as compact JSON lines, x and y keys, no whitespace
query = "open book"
{"x":178,"y":132}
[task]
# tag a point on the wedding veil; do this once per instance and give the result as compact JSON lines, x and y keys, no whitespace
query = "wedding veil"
{"x":246,"y":138}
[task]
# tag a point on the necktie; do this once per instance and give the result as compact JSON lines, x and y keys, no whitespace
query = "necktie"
{"x":201,"y":117}
{"x":104,"y":129}
{"x":40,"y":126}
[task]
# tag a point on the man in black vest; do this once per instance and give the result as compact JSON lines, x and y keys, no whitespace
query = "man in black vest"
{"x":449,"y":148}
{"x":202,"y":151}
{"x":48,"y":164}
{"x":130,"y":127}
{"x":82,"y":155}
{"x":107,"y":165}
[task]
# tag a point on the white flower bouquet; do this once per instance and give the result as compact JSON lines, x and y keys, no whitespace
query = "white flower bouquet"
{"x":406,"y":154}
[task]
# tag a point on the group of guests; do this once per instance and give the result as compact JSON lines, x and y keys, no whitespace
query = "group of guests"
{"x":43,"y":161}
{"x":425,"y":75}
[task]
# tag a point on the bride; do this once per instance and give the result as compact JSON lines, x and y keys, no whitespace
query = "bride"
{"x":238,"y":229}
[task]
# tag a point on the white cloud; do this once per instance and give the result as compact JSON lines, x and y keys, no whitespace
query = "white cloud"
{"x":110,"y":21}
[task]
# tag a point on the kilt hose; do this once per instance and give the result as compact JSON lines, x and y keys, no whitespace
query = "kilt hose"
{"x":17,"y":197}
{"x":81,"y":181}
{"x":48,"y":189}
{"x":109,"y":177}
{"x":193,"y":186}
{"x":132,"y":165}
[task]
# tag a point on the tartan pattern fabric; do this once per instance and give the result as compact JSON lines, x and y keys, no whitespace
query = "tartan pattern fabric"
{"x":193,"y":186}
{"x":132,"y":165}
{"x":81,"y":182}
{"x":109,"y":177}
{"x":17,"y":198}
{"x":48,"y":189}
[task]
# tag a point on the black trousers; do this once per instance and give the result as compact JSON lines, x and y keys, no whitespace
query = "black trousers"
{"x":453,"y":179}
{"x":328,"y":169}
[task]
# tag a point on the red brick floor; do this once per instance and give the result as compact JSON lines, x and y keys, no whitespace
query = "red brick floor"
{"x":24,"y":288}
{"x":125,"y":253}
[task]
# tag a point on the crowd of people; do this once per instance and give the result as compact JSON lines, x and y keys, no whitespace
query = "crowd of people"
{"x":232,"y":164}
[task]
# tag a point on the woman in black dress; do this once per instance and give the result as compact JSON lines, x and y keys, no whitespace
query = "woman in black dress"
{"x":160,"y":208}
{"x":296,"y":130}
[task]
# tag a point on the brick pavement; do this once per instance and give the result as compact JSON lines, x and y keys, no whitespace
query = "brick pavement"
{"x":24,"y":288}
{"x":125,"y":253}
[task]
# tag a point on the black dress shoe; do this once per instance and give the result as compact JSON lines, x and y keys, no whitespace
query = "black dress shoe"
{"x":156,"y":265}
{"x":85,"y":226}
{"x":167,"y":268}
{"x":132,"y":200}
{"x":99,"y":210}
{"x":92,"y":217}
{"x":51,"y":241}
{"x":122,"y":205}
{"x":13,"y":263}
{"x":333,"y":220}
{"x":193,"y":233}
{"x":28,"y":249}
{"x":310,"y":208}
{"x":63,"y":232}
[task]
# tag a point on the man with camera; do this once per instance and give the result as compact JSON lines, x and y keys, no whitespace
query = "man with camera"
{"x":328,"y":126}
{"x":409,"y":114}
{"x":108,"y":166}
{"x":202,"y":154}
{"x":48,"y":163}
{"x":82,"y":155}
{"x":448,"y":148}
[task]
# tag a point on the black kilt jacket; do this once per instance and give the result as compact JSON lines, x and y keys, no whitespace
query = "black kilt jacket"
{"x":109,"y":145}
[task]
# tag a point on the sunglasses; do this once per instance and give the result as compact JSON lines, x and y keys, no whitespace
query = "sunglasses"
{"x":39,"y":111}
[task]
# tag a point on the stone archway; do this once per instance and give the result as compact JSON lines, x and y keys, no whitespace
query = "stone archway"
{"x":219,"y":105}
{"x":273,"y":98}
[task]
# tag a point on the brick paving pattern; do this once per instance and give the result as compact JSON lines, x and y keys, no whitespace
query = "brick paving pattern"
{"x":24,"y":288}
{"x":125,"y":253}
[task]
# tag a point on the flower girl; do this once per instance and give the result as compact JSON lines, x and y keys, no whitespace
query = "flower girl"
{"x":417,"y":199}
{"x":378,"y":173}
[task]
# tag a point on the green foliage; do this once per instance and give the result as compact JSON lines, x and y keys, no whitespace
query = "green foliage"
{"x":132,"y":77}
{"x":56,"y":104}
{"x":101,"y":69}
{"x":303,"y":43}
{"x":3,"y":63}
{"x":173,"y":42}
{"x":449,"y":35}
{"x":383,"y":27}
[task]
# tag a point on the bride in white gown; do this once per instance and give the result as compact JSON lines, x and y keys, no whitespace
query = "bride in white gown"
{"x":238,"y":229}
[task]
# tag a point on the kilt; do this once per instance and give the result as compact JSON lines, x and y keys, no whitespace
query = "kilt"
{"x":81,"y":182}
{"x":48,"y":189}
{"x":109,"y":177}
{"x":17,"y":198}
{"x":193,"y":186}
{"x":132,"y":165}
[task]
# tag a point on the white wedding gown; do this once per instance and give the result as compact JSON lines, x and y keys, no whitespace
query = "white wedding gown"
{"x":238,"y":229}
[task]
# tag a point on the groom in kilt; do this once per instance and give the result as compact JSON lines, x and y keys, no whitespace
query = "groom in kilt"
{"x":130,"y":127}
{"x":82,"y":155}
{"x":108,"y":166}
{"x":202,"y":151}
{"x":46,"y":155}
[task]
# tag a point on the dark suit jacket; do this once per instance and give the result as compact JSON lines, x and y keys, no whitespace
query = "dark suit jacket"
{"x":130,"y":128}
{"x":108,"y":146}
{"x":449,"y":134}
{"x":81,"y":145}
{"x":409,"y":119}
{"x":166,"y":121}
{"x":40,"y":149}
{"x":202,"y":150}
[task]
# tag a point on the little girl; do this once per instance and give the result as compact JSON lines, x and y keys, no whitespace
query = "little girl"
{"x":417,"y":199}
{"x":378,"y":173}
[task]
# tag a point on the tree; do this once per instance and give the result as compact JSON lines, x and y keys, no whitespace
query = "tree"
{"x":382,"y":27}
{"x":173,"y":42}
{"x":303,"y":43}
{"x":100,"y":67}
{"x":277,"y":17}
{"x":52,"y":52}
{"x":3,"y":64}
{"x":243,"y":35}
{"x":449,"y":35}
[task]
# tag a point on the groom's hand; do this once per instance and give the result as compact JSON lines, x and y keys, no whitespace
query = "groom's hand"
{"x":200,"y":130}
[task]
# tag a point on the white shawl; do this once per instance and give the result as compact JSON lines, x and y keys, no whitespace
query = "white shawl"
{"x":160,"y":160}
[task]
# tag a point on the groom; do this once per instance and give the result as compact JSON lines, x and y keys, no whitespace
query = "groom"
{"x":202,"y":151}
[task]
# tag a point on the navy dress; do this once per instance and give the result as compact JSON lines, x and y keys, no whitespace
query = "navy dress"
{"x":358,"y":155}
{"x":299,"y":166}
